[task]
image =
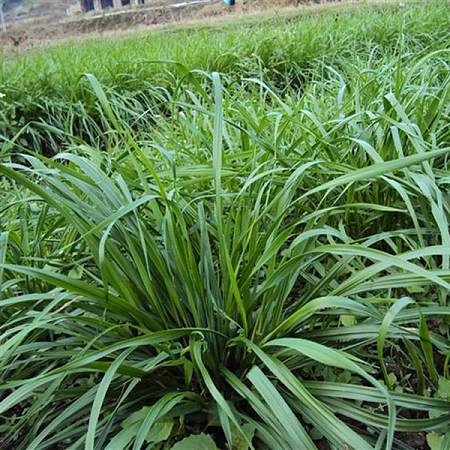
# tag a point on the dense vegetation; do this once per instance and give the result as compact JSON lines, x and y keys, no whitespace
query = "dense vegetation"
{"x":233,"y":238}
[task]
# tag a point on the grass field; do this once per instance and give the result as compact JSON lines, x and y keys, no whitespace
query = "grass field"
{"x":231,"y":237}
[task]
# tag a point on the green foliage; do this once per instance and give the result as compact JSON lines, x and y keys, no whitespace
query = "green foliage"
{"x":438,"y":441}
{"x":444,"y":388}
{"x":196,"y":442}
{"x":195,"y":259}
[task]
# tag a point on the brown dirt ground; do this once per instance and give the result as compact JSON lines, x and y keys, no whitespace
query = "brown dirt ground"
{"x":44,"y":30}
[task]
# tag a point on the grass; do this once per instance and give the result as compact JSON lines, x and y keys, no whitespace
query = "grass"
{"x":235,"y":239}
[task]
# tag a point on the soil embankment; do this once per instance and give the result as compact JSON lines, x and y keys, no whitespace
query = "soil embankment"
{"x":41,"y":30}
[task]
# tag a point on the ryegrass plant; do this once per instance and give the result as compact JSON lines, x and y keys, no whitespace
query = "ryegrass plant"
{"x":45,"y":90}
{"x":255,"y":259}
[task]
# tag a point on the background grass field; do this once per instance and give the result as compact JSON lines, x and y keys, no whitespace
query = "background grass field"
{"x":229,"y":237}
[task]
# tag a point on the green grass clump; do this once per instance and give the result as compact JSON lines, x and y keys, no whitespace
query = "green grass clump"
{"x":242,"y":244}
{"x":46,"y":87}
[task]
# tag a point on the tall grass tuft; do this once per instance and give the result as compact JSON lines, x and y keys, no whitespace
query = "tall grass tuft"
{"x":215,"y":260}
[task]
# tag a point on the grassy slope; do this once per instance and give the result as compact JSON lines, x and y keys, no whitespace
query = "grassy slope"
{"x":283,"y":53}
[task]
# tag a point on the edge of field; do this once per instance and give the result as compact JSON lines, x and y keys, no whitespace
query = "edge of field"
{"x":225,"y":19}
